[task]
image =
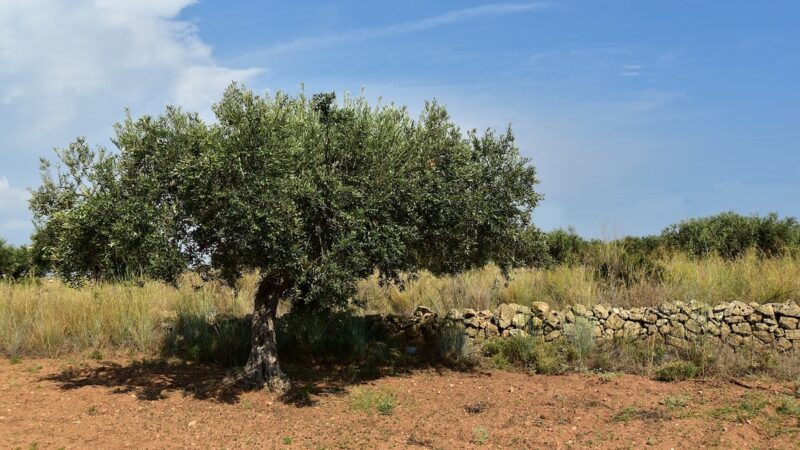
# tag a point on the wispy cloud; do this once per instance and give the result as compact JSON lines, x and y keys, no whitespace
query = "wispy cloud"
{"x":361,"y":34}
{"x":631,"y":70}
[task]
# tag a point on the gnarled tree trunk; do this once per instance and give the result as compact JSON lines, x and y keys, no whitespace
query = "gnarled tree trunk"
{"x":262,"y":365}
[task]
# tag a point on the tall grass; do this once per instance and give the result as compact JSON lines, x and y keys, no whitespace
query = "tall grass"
{"x":711,"y":280}
{"x":48,"y":318}
{"x":45,"y":317}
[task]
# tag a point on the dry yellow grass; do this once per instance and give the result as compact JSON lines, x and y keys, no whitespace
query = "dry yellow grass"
{"x":48,"y":318}
{"x":711,"y":280}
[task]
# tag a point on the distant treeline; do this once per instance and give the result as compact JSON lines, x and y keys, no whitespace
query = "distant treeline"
{"x":727,"y":235}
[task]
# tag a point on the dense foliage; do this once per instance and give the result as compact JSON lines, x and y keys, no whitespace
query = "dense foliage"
{"x":320,"y":192}
{"x":15,"y":262}
{"x":730,"y":235}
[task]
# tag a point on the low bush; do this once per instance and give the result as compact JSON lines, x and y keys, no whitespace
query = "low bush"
{"x":677,"y":371}
{"x":580,"y":337}
{"x":453,"y":345}
{"x":525,"y":352}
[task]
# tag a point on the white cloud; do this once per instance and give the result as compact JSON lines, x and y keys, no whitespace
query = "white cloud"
{"x":71,"y":68}
{"x":631,"y":70}
{"x":60,"y":54}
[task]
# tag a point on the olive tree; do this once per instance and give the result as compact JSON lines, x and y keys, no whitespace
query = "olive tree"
{"x":311,"y":193}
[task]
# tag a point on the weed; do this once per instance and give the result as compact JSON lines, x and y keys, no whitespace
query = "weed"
{"x":788,"y":406}
{"x":370,"y":401}
{"x":676,"y":401}
{"x":287,"y":440}
{"x":453,"y":345}
{"x":633,"y":413}
{"x":96,"y":355}
{"x":580,"y":336}
{"x":480,"y":436}
{"x":15,"y":359}
{"x":607,"y":377}
{"x":677,"y":371}
{"x":526,"y":352}
{"x":92,"y":411}
{"x":748,"y":407}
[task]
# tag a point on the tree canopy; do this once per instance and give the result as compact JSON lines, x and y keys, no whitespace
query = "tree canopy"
{"x":312,"y":193}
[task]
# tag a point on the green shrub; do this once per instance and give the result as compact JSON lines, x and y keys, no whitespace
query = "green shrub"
{"x":15,"y":262}
{"x":526,"y":352}
{"x":580,"y":337}
{"x":566,"y":246}
{"x":731,"y":235}
{"x":677,"y":371}
{"x":453,"y":344}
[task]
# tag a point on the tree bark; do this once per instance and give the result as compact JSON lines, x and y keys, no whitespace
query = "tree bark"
{"x":262,"y":366}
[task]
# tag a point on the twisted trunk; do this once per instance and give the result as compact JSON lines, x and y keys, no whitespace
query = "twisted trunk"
{"x":262,"y":366}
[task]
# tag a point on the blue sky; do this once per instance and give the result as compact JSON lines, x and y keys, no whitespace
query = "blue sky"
{"x":636,"y":114}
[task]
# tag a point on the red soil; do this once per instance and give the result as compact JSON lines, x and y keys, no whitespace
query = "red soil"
{"x":73,"y":403}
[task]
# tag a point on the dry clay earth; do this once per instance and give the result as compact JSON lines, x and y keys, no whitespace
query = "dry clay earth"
{"x":122,"y":403}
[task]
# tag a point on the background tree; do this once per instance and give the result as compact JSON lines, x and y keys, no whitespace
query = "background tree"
{"x":15,"y":262}
{"x":312,"y":194}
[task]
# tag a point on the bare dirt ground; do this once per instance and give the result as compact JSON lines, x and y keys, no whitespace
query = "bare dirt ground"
{"x":122,"y":403}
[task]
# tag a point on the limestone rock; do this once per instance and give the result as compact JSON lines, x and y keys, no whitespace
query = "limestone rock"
{"x":615,"y":322}
{"x":540,"y":309}
{"x":520,"y":320}
{"x":600,"y":311}
{"x":789,"y":323}
{"x":742,"y":328}
{"x":790,"y":309}
{"x":505,"y":314}
{"x":737,"y":308}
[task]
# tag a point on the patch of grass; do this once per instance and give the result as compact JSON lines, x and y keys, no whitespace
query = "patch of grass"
{"x":788,"y":406}
{"x":607,"y":377}
{"x":33,"y":369}
{"x":370,"y":401}
{"x":96,"y":355}
{"x":92,"y":411}
{"x":287,"y":440}
{"x":748,"y":407}
{"x":633,"y":413}
{"x":15,"y":359}
{"x":676,"y":401}
{"x":480,"y":436}
{"x":677,"y":371}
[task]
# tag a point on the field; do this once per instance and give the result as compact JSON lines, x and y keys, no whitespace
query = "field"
{"x":143,"y":364}
{"x":44,"y":317}
{"x":127,"y":403}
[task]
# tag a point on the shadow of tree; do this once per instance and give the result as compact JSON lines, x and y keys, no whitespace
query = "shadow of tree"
{"x":154,"y":379}
{"x":322,"y":355}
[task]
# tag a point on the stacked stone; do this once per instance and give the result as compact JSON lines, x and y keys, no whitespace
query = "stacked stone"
{"x":677,"y":324}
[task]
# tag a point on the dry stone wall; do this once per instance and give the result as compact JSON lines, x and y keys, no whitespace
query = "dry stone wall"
{"x":678,"y":324}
